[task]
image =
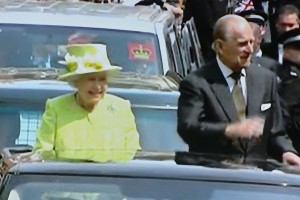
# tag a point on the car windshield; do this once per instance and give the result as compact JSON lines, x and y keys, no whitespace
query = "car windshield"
{"x":114,"y":188}
{"x":44,"y":46}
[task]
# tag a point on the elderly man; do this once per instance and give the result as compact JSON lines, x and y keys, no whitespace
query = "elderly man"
{"x":224,"y":105}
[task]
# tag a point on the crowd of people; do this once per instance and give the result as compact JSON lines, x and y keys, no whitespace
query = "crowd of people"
{"x":244,"y":102}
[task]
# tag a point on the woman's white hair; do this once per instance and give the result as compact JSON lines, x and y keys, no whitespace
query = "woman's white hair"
{"x":71,"y":80}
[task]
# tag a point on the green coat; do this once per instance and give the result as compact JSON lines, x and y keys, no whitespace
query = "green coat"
{"x":69,"y":132}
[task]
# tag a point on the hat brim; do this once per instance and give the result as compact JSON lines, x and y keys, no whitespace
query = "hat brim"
{"x":290,"y":38}
{"x":256,"y":21}
{"x":111,"y":71}
{"x":254,"y":16}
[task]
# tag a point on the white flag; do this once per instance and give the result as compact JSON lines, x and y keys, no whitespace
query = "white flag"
{"x":243,"y":5}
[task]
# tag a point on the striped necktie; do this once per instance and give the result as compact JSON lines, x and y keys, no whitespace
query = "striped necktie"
{"x":237,"y":95}
{"x":240,"y":104}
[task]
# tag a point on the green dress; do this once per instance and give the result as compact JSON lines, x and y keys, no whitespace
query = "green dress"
{"x":69,"y":132}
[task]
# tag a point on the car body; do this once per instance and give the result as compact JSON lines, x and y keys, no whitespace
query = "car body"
{"x":144,"y":179}
{"x":143,"y":40}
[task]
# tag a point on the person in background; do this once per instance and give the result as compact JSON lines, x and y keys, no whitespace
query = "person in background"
{"x":172,"y":6}
{"x":257,"y":20}
{"x":205,"y":14}
{"x":273,"y":7}
{"x":287,"y":18}
{"x":280,"y":3}
{"x":290,"y":82}
{"x":231,"y":107}
{"x":89,"y":124}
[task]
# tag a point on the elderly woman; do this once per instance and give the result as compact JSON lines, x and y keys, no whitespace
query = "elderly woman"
{"x":88,"y":124}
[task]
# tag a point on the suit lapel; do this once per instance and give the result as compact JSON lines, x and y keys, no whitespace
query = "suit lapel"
{"x":220,"y":88}
{"x":253,"y":91}
{"x":254,"y":96}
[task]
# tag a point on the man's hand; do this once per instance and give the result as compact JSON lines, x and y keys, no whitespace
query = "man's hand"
{"x":291,"y":158}
{"x":176,"y":10}
{"x":248,"y":128}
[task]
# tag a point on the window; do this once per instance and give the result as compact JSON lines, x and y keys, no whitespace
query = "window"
{"x":176,"y":53}
{"x":44,"y":46}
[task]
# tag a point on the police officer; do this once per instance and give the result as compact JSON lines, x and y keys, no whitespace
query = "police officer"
{"x":290,"y":82}
{"x":257,"y":20}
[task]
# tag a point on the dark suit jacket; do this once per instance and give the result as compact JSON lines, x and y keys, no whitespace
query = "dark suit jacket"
{"x":206,"y":106}
{"x":290,"y":92}
{"x":279,"y":3}
{"x":278,"y":69}
{"x":270,"y":50}
{"x":267,"y":63}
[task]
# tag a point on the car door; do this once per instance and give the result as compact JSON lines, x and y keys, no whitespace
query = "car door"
{"x":192,"y":46}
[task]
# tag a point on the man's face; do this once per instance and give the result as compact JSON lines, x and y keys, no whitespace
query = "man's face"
{"x":258,"y":35}
{"x":236,"y":49}
{"x":286,"y":22}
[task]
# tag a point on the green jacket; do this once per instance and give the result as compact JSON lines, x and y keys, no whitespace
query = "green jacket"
{"x":68,"y":132}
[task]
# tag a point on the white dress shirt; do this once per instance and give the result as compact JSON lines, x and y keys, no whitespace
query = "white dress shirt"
{"x":226,"y":71}
{"x":280,"y":53}
{"x":259,"y":53}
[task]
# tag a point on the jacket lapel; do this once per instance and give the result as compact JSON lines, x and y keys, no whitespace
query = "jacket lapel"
{"x":253,"y":92}
{"x":254,"y":96}
{"x":220,"y":88}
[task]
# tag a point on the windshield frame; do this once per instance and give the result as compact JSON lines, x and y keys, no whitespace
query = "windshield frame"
{"x":206,"y":189}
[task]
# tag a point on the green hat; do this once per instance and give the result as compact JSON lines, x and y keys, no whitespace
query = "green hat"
{"x":86,"y":58}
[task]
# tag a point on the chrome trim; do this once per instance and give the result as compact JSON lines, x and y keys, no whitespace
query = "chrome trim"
{"x":126,"y":24}
{"x":166,"y":107}
{"x":163,"y":47}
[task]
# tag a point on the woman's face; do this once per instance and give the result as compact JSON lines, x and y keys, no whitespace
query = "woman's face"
{"x":91,"y":87}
